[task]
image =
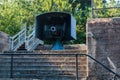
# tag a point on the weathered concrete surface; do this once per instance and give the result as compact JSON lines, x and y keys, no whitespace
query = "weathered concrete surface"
{"x":82,"y":60}
{"x":66,"y":47}
{"x":4,"y":42}
{"x":103,"y":41}
{"x":33,"y":65}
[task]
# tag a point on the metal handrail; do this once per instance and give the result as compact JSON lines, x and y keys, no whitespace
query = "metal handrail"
{"x":24,"y":29}
{"x":31,"y":41}
{"x":31,"y":53}
{"x":17,"y":40}
{"x":104,"y":66}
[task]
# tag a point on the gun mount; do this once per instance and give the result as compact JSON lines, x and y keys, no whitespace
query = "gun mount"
{"x":58,"y":26}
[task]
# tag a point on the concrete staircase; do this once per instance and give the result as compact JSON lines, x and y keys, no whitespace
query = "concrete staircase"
{"x":36,"y":65}
{"x":22,"y":47}
{"x":5,"y":66}
{"x":24,"y":40}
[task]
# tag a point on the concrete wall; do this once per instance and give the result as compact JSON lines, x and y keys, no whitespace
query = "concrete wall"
{"x":103,"y":41}
{"x":4,"y":42}
{"x":52,"y":67}
{"x":72,"y":49}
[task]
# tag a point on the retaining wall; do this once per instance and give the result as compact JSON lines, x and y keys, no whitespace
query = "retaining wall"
{"x":103,"y":41}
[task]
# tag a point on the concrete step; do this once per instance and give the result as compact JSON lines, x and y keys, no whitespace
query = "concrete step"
{"x":48,"y":63}
{"x":45,"y":78}
{"x":4,"y":76}
{"x":43,"y":74}
{"x":22,"y":47}
{"x":43,"y":67}
{"x":49,"y":58}
{"x":42,"y":78}
{"x":51,"y":77}
{"x":69,"y":68}
{"x":39,"y":64}
{"x":50,"y":66}
{"x":43,"y":59}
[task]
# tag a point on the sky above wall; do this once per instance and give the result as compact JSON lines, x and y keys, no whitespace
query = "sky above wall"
{"x":109,"y":0}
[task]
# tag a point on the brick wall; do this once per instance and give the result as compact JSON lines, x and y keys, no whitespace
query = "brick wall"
{"x":103,"y":40}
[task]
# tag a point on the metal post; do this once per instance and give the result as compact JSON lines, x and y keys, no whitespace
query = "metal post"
{"x":104,"y":66}
{"x":25,"y":36}
{"x":19,"y":35}
{"x":76,"y":66}
{"x":11,"y":67}
{"x":12,"y":43}
{"x":92,"y":6}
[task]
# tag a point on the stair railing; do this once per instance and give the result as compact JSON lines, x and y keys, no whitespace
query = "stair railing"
{"x":31,"y":41}
{"x":112,"y":66}
{"x":17,"y":40}
{"x":117,"y":76}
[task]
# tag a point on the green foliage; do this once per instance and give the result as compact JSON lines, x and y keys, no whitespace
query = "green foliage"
{"x":8,"y":18}
{"x":16,"y":14}
{"x":106,"y":13}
